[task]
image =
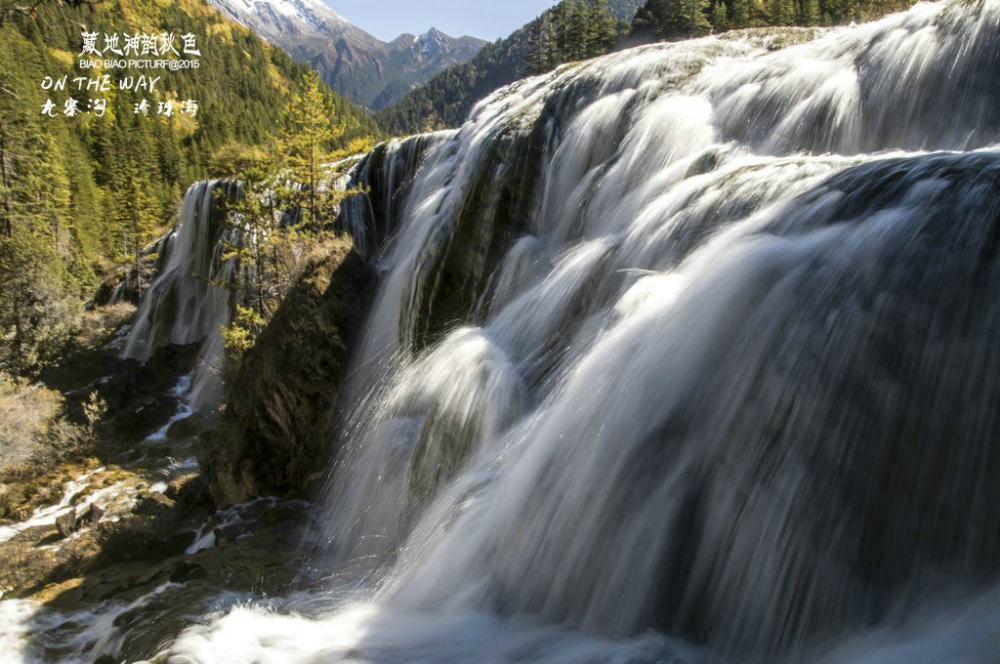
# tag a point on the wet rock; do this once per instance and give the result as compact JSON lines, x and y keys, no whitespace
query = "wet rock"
{"x":66,"y":524}
{"x":93,"y":514}
{"x":105,"y":291}
{"x":460,"y":263}
{"x":150,"y":262}
{"x":145,"y":537}
{"x":185,"y":428}
{"x":152,"y":504}
{"x":276,"y":515}
{"x":189,"y":491}
{"x":138,"y":396}
{"x":185,"y":571}
{"x":272,"y":435}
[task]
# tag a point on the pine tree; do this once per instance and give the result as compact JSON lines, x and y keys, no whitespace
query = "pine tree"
{"x":306,"y":142}
{"x":739,"y":14}
{"x":720,"y":17}
{"x":809,"y":14}
{"x":697,"y":22}
{"x":600,"y":28}
{"x":38,"y":305}
{"x":533,"y":60}
{"x":577,"y":49}
{"x":253,"y":214}
{"x":781,"y":12}
{"x":675,"y":19}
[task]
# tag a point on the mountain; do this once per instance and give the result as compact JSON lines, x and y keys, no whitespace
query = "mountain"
{"x":425,"y":55}
{"x":446,"y":99}
{"x":300,"y":27}
{"x":378,"y":75}
{"x":351,"y":61}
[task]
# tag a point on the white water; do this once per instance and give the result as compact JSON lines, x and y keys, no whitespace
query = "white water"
{"x":189,"y":302}
{"x":729,"y":379}
{"x":32,"y":634}
{"x":46,"y":516}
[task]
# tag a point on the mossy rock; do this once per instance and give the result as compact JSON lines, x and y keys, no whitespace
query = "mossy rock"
{"x":495,"y":211}
{"x":271,"y":438}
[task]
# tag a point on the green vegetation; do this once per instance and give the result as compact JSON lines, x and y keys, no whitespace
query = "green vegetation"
{"x":306,"y":142}
{"x":273,"y":435}
{"x":679,"y":19}
{"x":288,"y":177}
{"x":572,"y":30}
{"x":83,"y":189}
{"x":38,"y":308}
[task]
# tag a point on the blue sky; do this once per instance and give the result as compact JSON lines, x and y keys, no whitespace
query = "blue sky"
{"x":486,"y":19}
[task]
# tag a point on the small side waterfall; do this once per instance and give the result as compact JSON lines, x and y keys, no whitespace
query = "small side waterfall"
{"x":188,"y":301}
{"x":385,"y":175}
{"x":687,"y":353}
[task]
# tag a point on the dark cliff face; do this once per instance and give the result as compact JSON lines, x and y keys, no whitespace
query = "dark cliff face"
{"x":271,"y":436}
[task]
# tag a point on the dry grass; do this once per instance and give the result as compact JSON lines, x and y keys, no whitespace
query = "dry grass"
{"x":29,"y":420}
{"x":99,"y":323}
{"x":20,"y":569}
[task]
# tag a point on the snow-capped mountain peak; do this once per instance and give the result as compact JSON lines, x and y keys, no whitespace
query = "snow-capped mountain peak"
{"x":351,"y":61}
{"x":277,"y":20}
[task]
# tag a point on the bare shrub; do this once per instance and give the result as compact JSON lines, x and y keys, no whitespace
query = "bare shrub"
{"x":33,"y":431}
{"x":28,"y":414}
{"x":99,"y":323}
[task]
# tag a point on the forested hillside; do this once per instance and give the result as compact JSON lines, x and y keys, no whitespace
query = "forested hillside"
{"x":678,"y":19}
{"x":95,"y":159}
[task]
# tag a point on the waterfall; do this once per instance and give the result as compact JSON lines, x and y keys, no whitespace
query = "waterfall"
{"x":384,"y":175}
{"x":685,"y":353}
{"x":188,"y":302}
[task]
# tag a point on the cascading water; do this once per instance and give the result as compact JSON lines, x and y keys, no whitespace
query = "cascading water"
{"x":385,"y":175}
{"x":685,"y":353}
{"x":188,"y":302}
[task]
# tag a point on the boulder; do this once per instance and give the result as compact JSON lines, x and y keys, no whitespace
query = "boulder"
{"x":93,"y":514}
{"x":67,"y":523}
{"x":185,"y":428}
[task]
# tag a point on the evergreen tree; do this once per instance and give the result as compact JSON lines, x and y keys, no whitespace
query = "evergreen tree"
{"x":601,"y":28}
{"x":759,"y":16}
{"x":720,"y":17}
{"x":306,"y":141}
{"x":39,"y":307}
{"x":576,"y":46}
{"x":697,"y":20}
{"x":809,"y":13}
{"x":739,"y":14}
{"x":781,"y":12}
{"x":536,"y":61}
{"x":676,"y":19}
{"x":254,"y":215}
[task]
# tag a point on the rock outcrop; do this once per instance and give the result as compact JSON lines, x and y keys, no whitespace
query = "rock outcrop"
{"x":271,"y":438}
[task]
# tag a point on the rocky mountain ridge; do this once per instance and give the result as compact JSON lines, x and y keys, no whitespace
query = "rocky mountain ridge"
{"x":350,"y":60}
